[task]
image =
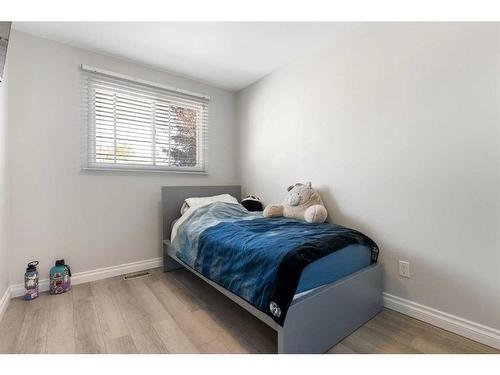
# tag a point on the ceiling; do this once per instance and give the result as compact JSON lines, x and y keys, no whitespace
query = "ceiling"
{"x":231,"y":55}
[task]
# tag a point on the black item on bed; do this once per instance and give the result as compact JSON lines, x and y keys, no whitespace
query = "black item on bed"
{"x":252,"y":203}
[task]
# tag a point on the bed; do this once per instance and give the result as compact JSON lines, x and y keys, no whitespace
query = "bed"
{"x":334,"y":296}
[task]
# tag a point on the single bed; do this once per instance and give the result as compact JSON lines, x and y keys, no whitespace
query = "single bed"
{"x":333,"y":298}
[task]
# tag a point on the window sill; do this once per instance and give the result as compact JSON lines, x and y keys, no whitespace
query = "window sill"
{"x":143,"y":170}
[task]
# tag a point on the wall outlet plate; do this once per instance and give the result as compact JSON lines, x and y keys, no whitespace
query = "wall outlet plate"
{"x":404,"y":269}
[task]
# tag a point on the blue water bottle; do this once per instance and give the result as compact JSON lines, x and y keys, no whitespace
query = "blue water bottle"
{"x":31,"y":281}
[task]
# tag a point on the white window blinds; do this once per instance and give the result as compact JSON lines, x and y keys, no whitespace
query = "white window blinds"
{"x":136,"y":125}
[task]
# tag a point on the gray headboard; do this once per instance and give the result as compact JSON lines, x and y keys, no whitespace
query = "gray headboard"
{"x":172,"y":198}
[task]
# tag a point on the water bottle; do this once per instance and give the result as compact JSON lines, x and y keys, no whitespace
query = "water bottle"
{"x":31,"y":281}
{"x":60,"y":278}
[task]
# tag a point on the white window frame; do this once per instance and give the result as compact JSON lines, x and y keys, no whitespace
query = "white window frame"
{"x":89,"y":161}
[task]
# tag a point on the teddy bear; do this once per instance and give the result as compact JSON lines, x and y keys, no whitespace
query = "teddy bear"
{"x":302,"y":202}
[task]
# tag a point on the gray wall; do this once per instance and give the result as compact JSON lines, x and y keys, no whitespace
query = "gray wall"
{"x":92,"y":220}
{"x":398,"y":126}
{"x":4,"y":276}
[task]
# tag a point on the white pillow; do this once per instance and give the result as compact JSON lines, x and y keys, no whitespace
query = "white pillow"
{"x":201,"y":201}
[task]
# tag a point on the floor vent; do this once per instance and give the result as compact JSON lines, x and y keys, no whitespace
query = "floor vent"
{"x":136,"y":275}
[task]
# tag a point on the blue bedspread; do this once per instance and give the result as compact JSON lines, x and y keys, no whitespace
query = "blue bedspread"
{"x":259,"y":259}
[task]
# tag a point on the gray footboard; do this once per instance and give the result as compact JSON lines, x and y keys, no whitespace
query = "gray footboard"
{"x":322,"y":318}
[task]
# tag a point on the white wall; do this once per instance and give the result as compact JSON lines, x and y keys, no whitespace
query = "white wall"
{"x":91,"y":220}
{"x":398,"y":126}
{"x":4,"y":270}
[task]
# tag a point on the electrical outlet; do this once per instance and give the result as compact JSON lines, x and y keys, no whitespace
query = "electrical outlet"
{"x":404,"y":269}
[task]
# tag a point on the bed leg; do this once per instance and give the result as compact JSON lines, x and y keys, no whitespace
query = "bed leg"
{"x":170,"y":265}
{"x":281,"y":345}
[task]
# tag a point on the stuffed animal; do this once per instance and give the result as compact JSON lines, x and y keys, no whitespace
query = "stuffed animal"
{"x":302,"y":202}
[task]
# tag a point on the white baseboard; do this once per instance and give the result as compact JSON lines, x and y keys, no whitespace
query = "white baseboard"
{"x":463,"y":327}
{"x":4,"y":302}
{"x":17,"y":290}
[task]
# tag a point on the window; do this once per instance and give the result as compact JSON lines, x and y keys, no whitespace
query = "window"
{"x":136,"y":125}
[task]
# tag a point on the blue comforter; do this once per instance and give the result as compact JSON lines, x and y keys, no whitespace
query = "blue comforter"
{"x":259,"y":259}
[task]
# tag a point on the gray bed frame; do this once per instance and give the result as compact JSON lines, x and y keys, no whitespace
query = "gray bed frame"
{"x":315,"y":321}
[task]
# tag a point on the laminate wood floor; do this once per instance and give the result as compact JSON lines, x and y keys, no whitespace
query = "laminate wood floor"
{"x":176,"y":312}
